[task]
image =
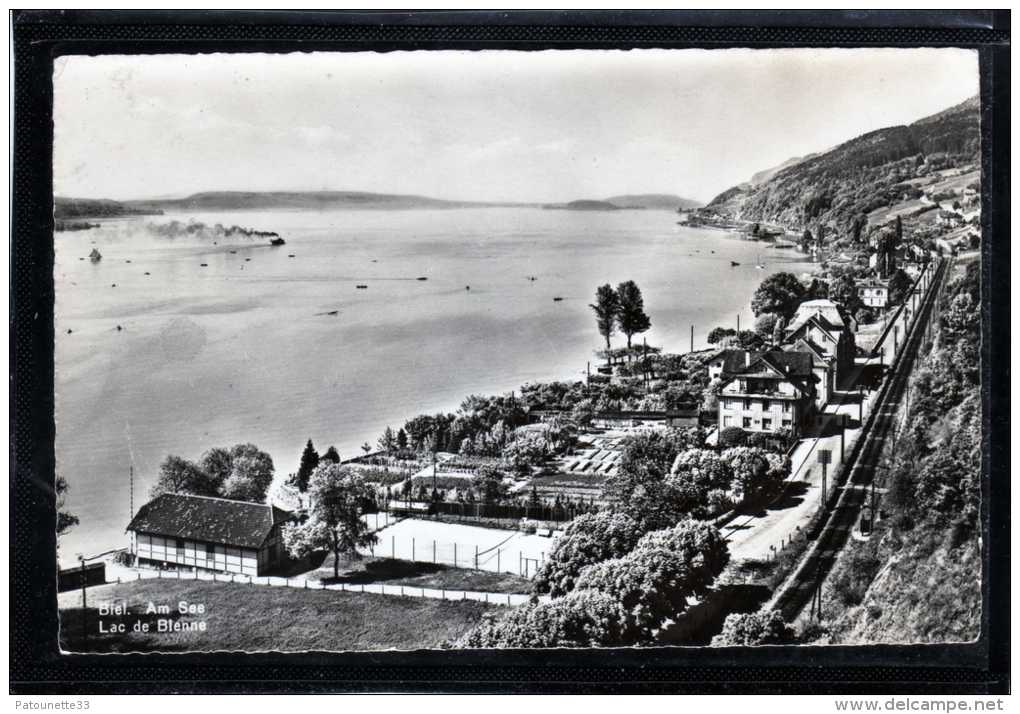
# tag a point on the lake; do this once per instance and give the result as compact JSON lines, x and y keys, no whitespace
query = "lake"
{"x":244,"y":349}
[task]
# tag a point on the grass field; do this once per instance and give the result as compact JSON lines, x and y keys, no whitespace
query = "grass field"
{"x":260,"y":618}
{"x":419,"y":575}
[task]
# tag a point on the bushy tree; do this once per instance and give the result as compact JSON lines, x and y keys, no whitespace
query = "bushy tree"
{"x":401,"y":439}
{"x":700,"y":477}
{"x":843,"y":290}
{"x":251,"y":474}
{"x":701,"y":546}
{"x":718,"y":334}
{"x":332,"y":456}
{"x":639,"y":487}
{"x":631,"y":315}
{"x":217,"y":463}
{"x":732,"y":436}
{"x":780,"y":293}
{"x":488,"y":484}
{"x":752,"y":469}
{"x":177,"y":475}
{"x":765,"y":325}
{"x":582,"y":619}
{"x":899,"y":287}
{"x":65,"y":519}
{"x":756,"y":628}
{"x":606,"y":308}
{"x":590,"y":538}
{"x":338,"y":498}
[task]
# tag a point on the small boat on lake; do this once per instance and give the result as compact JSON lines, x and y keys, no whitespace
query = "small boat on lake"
{"x":422,"y":278}
{"x":95,"y":256}
{"x":734,"y":263}
{"x":203,"y":265}
{"x":277,"y":241}
{"x":361,"y":287}
{"x":557,"y":299}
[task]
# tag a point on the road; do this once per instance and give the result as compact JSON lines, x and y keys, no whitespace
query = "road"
{"x":862,"y":463}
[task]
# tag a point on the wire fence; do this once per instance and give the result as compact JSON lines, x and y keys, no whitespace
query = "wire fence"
{"x":491,"y":598}
{"x":512,"y":555}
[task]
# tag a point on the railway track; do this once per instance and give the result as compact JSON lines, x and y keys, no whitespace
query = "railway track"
{"x":860,"y":468}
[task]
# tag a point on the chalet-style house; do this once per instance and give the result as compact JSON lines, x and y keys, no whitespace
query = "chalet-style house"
{"x":824,"y":324}
{"x":767,"y":391}
{"x":200,"y":532}
{"x":874,"y":294}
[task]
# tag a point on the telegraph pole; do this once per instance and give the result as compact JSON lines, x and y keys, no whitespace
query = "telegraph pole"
{"x":692,"y":338}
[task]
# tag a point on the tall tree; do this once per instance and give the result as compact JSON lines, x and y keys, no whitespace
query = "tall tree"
{"x":606,"y":307}
{"x":631,"y":312}
{"x":331,"y":455}
{"x":65,"y":519}
{"x":388,"y":440}
{"x":177,"y":475}
{"x":338,"y":497}
{"x":780,"y":293}
{"x":401,"y":439}
{"x":309,"y":462}
{"x":251,"y":474}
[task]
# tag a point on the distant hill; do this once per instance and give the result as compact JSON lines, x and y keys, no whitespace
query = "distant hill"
{"x":301,"y":200}
{"x":880,"y":169}
{"x":763,"y":176}
{"x":583,"y":205}
{"x":653,"y":201}
{"x":64,"y":208}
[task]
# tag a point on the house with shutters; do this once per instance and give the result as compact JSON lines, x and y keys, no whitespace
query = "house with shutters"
{"x":873,"y":294}
{"x":824,"y":324}
{"x":177,"y":530}
{"x":767,"y":391}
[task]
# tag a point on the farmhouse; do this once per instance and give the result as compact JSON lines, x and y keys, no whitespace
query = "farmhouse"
{"x":767,"y":391}
{"x":201,"y":532}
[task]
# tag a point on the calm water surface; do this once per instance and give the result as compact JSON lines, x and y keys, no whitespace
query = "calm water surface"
{"x":244,"y":350}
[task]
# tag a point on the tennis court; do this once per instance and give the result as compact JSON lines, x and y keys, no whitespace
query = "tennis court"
{"x":463,"y":546}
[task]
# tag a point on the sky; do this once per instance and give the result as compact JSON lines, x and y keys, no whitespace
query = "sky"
{"x":492,"y":126}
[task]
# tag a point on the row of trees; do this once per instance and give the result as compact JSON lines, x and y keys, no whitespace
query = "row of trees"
{"x":622,"y":308}
{"x":624,"y":585}
{"x":241,"y":472}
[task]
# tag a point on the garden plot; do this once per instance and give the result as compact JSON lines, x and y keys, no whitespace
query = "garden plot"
{"x":463,"y":546}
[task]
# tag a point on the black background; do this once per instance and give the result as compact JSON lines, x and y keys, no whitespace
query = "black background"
{"x":37,"y":666}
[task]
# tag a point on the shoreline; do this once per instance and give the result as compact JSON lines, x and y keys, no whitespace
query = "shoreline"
{"x":670,"y":312}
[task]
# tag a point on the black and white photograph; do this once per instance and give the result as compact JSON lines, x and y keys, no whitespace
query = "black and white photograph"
{"x":567,"y":349}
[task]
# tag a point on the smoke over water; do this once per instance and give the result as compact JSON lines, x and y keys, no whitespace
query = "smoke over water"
{"x":197,"y":229}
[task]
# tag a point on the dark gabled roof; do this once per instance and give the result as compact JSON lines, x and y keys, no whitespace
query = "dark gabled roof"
{"x":202,"y":518}
{"x":803,"y":344}
{"x":796,"y":367}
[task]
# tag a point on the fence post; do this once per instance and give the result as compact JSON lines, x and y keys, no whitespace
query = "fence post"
{"x":520,"y":563}
{"x":476,"y":557}
{"x":433,"y":551}
{"x":412,"y":550}
{"x":393,"y":546}
{"x":455,"y":555}
{"x":497,"y":560}
{"x":508,"y":598}
{"x":444,"y":593}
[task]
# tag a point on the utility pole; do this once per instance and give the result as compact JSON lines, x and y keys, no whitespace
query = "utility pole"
{"x":84,"y":612}
{"x":738,"y":322}
{"x":692,"y":338}
{"x":824,"y":458}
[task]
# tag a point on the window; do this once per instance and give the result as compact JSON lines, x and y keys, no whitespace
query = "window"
{"x":766,"y":424}
{"x":766,"y":405}
{"x":747,"y":404}
{"x":727,"y":421}
{"x":180,"y":544}
{"x":787,"y":423}
{"x":747,"y":422}
{"x":787,"y":407}
{"x":742,"y":385}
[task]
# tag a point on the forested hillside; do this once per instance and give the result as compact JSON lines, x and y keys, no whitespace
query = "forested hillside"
{"x":918,"y":578}
{"x":857,"y":178}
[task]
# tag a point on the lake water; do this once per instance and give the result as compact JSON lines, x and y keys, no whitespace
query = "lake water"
{"x":242,"y":350}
